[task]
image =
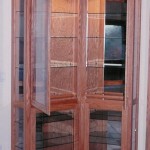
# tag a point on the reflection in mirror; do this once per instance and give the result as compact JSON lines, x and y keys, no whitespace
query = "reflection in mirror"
{"x":55,"y":132}
{"x":115,"y":46}
{"x":64,"y":48}
{"x":105,"y":130}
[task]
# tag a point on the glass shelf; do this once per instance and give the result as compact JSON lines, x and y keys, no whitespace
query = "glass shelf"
{"x":64,"y":13}
{"x":105,"y":138}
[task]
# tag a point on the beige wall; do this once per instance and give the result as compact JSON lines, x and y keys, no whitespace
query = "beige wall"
{"x":5,"y":74}
{"x":143,"y":73}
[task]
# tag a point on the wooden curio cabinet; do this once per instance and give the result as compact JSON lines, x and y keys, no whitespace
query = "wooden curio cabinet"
{"x":72,"y":74}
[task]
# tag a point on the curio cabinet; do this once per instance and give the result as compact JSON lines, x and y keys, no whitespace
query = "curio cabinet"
{"x":72,"y":74}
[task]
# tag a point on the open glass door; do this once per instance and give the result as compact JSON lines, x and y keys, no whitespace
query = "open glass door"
{"x":40,"y":56}
{"x":54,"y":49}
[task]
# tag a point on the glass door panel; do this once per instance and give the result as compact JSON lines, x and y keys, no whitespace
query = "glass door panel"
{"x":115,"y":46}
{"x":19,"y":49}
{"x":95,"y":46}
{"x":105,"y":130}
{"x":19,"y":129}
{"x":55,"y":132}
{"x":106,"y":46}
{"x":64,"y":48}
{"x":40,"y":55}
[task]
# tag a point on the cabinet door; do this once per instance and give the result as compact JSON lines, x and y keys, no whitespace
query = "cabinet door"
{"x":40,"y":55}
{"x":54,"y":49}
{"x":106,"y":46}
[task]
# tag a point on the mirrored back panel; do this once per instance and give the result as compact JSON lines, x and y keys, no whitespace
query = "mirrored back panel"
{"x":64,"y":48}
{"x":55,"y":132}
{"x":105,"y":130}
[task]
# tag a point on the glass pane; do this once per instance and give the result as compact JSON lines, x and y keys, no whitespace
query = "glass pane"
{"x":105,"y":130}
{"x":19,"y":68}
{"x":20,"y":24}
{"x":40,"y":55}
{"x":106,"y":46}
{"x":19,"y":131}
{"x":19,"y":46}
{"x":115,"y":46}
{"x":55,"y":132}
{"x":64,"y":47}
{"x":114,"y":78}
{"x":95,"y":46}
{"x":64,"y":6}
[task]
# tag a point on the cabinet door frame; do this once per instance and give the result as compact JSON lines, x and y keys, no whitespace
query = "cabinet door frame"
{"x":13,"y":83}
{"x":136,"y":74}
{"x":45,"y":108}
{"x":132,"y":38}
{"x":16,"y":103}
{"x":132,"y":63}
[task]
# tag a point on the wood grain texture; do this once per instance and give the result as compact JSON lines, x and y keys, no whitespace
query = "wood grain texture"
{"x":125,"y":132}
{"x":137,"y":38}
{"x":81,"y":58}
{"x":95,"y":43}
{"x":64,"y":25}
{"x":63,"y":104}
{"x":64,"y":49}
{"x":33,"y":131}
{"x":76,"y":128}
{"x":83,"y":126}
{"x":13,"y":112}
{"x":63,"y":79}
{"x":103,"y":96}
{"x":27,"y":80}
{"x":127,"y":112}
{"x":69,"y":6}
{"x":105,"y":104}
{"x":96,"y":24}
{"x":113,"y":82}
{"x":15,"y":73}
{"x":96,"y":6}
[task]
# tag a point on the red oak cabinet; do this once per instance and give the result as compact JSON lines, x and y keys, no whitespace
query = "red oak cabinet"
{"x":72,"y":74}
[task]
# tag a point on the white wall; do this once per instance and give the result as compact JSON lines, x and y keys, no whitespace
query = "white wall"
{"x":143,"y":73}
{"x":5,"y":74}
